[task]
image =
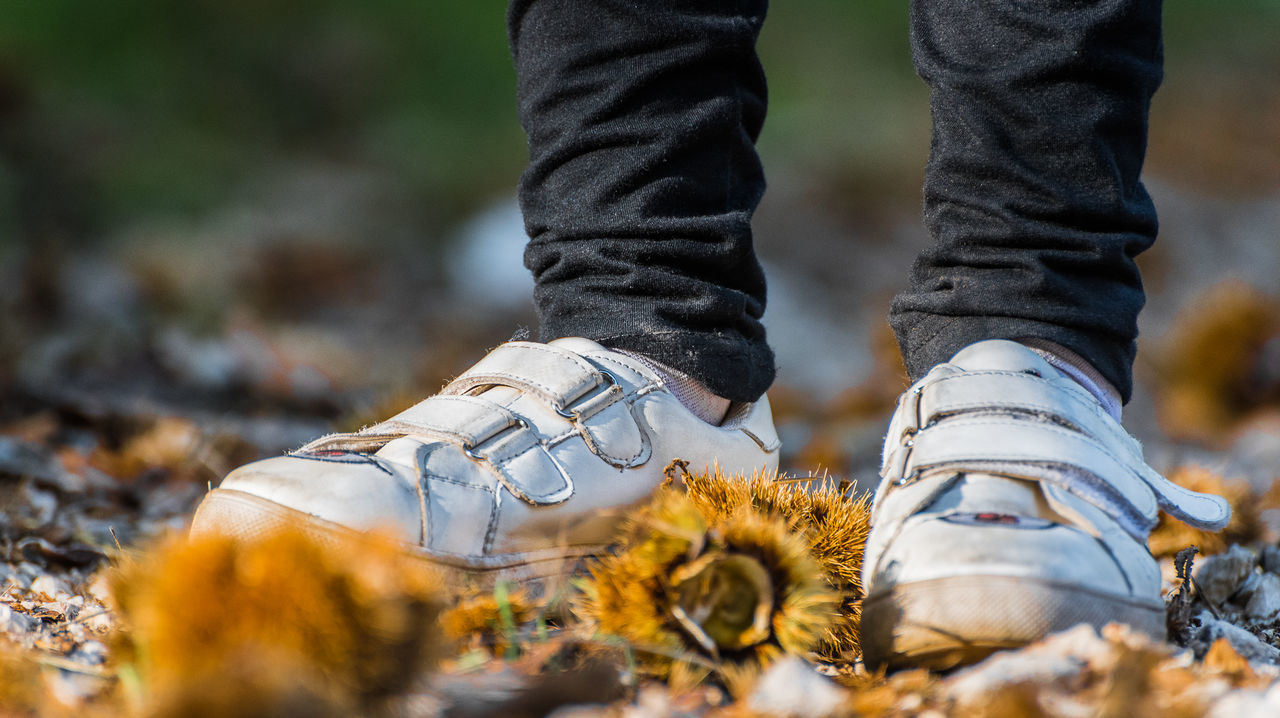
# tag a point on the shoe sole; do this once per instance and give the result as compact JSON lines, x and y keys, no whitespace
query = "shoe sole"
{"x":949,"y":622}
{"x":245,"y":517}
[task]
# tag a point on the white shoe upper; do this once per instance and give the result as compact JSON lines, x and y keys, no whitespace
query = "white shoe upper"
{"x":531,"y":453}
{"x":996,"y":464}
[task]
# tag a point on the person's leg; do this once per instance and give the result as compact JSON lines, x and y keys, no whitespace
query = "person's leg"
{"x":1032,"y":192}
{"x":643,"y":176}
{"x":1012,"y":504}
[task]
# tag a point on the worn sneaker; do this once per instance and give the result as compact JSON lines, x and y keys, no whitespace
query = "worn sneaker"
{"x":1011,"y":506}
{"x":524,"y":463}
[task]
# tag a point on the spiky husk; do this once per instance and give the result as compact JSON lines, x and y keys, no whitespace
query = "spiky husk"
{"x":835,"y":526}
{"x":1171,"y":535}
{"x":632,"y":594}
{"x":21,"y":687}
{"x":624,"y":593}
{"x":282,"y":621}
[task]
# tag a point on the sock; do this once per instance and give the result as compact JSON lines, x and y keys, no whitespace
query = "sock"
{"x":689,"y":391}
{"x":1082,"y":372}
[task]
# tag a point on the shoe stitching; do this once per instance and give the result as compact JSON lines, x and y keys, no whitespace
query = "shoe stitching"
{"x":917,"y":519}
{"x":646,"y":390}
{"x":645,"y":444}
{"x":944,"y":485}
{"x":1065,"y":384}
{"x":426,"y":474}
{"x":1159,"y":484}
{"x":528,"y":496}
{"x":616,"y":363}
{"x":563,"y":436}
{"x":1134,"y":601}
{"x":424,"y":506}
{"x":342,"y":438}
{"x":1082,"y":397}
{"x":519,"y":380}
{"x":491,"y":532}
{"x":1111,"y":433}
{"x":1128,"y":583}
{"x":1077,"y":483}
{"x":1052,"y":428}
{"x":629,"y":398}
{"x":588,"y":436}
{"x":1024,"y":408}
{"x":457,"y":482}
{"x":509,"y":560}
{"x":561,"y":353}
{"x":527,"y":380}
{"x":361,"y":459}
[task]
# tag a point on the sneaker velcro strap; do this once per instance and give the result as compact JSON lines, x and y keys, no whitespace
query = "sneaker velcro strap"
{"x":557,"y":375}
{"x":1206,"y":511}
{"x":1042,"y":401}
{"x":463,"y":420}
{"x":1003,"y":391}
{"x":1035,"y":450}
{"x":525,"y":468}
{"x":1130,"y":554}
{"x":1025,"y":447}
{"x":612,"y":432}
{"x":492,"y":434}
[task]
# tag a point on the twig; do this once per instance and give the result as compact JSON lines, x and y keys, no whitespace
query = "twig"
{"x":85,"y":617}
{"x":73,"y":667}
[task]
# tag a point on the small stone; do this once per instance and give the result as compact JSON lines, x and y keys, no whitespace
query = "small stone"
{"x":90,"y":653}
{"x":1264,"y":602}
{"x":653,"y":702}
{"x":1246,"y":644}
{"x":77,"y":632}
{"x":1220,"y":576}
{"x":24,"y":458}
{"x":1242,"y":593}
{"x":100,"y":587}
{"x":51,"y":586}
{"x":15,"y":623}
{"x":66,"y":610}
{"x":1045,"y":662}
{"x":100,"y":622}
{"x":791,"y":687}
{"x":41,"y":504}
{"x":1271,"y":559}
{"x":1246,"y":703}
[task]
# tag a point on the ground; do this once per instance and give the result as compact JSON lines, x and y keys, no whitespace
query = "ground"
{"x":120,"y":410}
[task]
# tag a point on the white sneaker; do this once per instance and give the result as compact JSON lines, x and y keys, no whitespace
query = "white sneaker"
{"x":523,"y":463}
{"x":1011,"y":506}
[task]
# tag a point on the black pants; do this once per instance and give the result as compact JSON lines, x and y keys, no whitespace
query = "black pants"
{"x":642,"y":117}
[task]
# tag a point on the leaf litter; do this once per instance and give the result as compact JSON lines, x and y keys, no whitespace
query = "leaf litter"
{"x":93,"y":479}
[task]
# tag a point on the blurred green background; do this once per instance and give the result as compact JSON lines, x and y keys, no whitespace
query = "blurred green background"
{"x":112,"y":112}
